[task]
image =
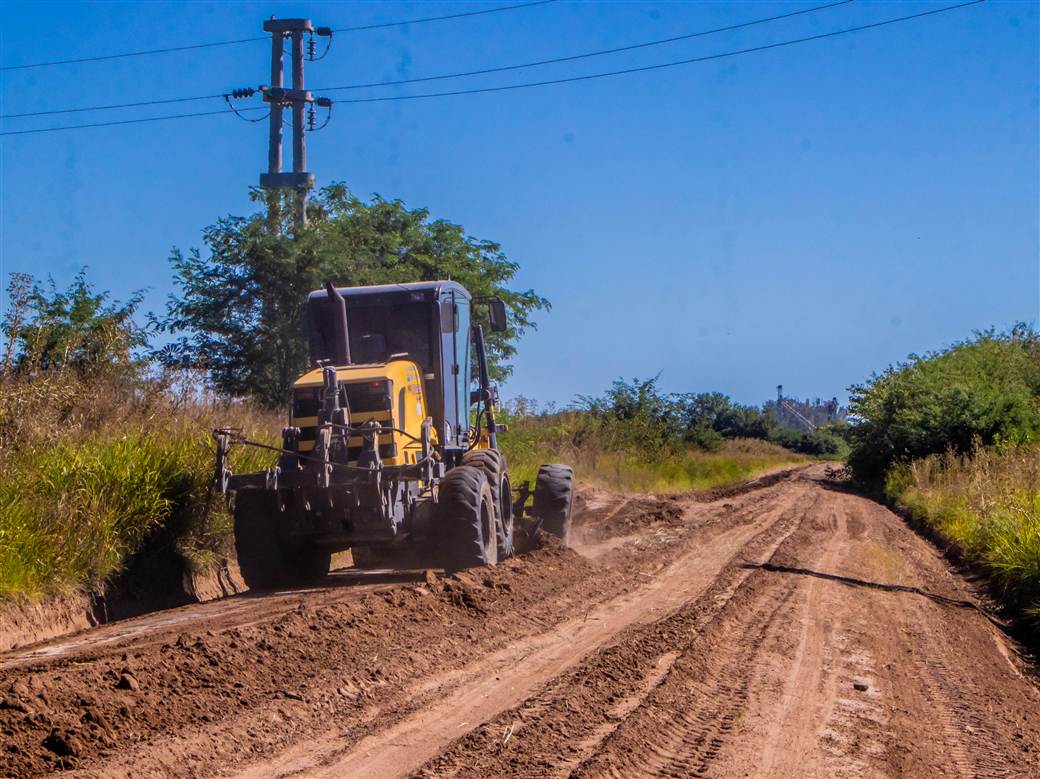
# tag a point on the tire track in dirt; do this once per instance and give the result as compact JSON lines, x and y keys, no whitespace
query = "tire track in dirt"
{"x":559,"y":727}
{"x":981,"y":728}
{"x":241,"y":611}
{"x":695,"y":710}
{"x":513,"y":674}
{"x":816,"y":709}
{"x":965,"y":736}
{"x":809,"y":688}
{"x":900,"y":674}
{"x":681,"y":727}
{"x":810,"y":666}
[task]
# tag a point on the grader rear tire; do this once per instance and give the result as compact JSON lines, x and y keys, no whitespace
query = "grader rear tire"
{"x":267,"y":556}
{"x":554,"y":499}
{"x":467,"y":518}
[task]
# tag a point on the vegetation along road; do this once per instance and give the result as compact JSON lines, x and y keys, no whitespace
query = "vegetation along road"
{"x":786,"y":627}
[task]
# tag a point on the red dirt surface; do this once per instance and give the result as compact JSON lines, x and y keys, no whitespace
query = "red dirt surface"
{"x":789,"y":628}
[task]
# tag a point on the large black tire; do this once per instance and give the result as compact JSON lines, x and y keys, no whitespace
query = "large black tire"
{"x":493,"y":464}
{"x":267,"y":556}
{"x":467,"y":518}
{"x":554,"y":499}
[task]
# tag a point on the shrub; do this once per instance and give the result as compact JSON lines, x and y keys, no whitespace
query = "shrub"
{"x":986,"y":390}
{"x":817,"y":443}
{"x":78,"y":329}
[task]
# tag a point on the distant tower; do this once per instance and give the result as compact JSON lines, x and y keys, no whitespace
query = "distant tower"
{"x":779,"y":392}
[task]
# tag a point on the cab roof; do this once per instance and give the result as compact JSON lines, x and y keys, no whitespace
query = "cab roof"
{"x":431,"y":288}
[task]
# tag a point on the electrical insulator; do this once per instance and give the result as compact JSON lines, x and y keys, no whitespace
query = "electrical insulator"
{"x":310,"y":118}
{"x":238,"y":94}
{"x":311,"y":49}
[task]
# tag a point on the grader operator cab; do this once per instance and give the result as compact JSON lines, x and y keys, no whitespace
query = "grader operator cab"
{"x":389,"y":451}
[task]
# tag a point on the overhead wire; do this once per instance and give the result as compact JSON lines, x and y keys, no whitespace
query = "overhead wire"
{"x":484,"y":71}
{"x":146,"y":52}
{"x":213,"y":44}
{"x":238,"y":111}
{"x":382,"y":25}
{"x":129,"y":121}
{"x":663,"y":65}
{"x":586,"y":55}
{"x":570,"y":79}
{"x":110,"y":107}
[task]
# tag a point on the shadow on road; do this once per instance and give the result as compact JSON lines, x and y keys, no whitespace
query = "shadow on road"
{"x":852,"y":582}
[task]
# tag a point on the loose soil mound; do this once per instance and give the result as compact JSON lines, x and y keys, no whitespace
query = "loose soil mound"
{"x":56,"y":716}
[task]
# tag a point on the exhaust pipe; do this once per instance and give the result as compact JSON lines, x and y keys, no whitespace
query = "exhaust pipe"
{"x":340,"y":337}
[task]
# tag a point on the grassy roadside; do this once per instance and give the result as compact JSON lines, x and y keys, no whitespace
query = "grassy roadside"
{"x":988,"y":505}
{"x":564,"y":437}
{"x":95,"y":472}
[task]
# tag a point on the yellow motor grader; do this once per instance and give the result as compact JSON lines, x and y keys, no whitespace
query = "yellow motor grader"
{"x":389,"y":451}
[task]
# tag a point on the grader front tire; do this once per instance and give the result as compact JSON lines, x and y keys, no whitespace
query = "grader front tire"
{"x":554,"y":499}
{"x":467,"y":518}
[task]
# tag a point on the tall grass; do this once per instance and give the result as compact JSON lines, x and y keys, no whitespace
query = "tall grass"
{"x":94,"y":471}
{"x":598,"y":458}
{"x":988,"y":503}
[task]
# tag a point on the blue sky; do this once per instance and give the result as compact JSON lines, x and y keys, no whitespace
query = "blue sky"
{"x":802,"y":216}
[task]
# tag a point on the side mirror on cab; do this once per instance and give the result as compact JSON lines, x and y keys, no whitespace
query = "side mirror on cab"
{"x":498,"y":316}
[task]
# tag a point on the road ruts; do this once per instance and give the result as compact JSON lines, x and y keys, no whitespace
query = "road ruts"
{"x":786,"y":629}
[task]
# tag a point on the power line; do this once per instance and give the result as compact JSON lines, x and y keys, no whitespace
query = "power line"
{"x":443,"y":18}
{"x":663,"y":65}
{"x":236,"y":93}
{"x":130,"y":121}
{"x":193,"y":46}
{"x":588,"y":77}
{"x":144,"y":53}
{"x":485,"y":71}
{"x":111,"y":107}
{"x":600,"y":53}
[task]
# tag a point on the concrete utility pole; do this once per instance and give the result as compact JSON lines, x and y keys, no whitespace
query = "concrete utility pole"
{"x":297,"y":98}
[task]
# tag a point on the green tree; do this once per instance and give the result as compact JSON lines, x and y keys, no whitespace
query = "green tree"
{"x":633,"y":414}
{"x":697,"y":415}
{"x":80,"y":329}
{"x":237,"y":312}
{"x":986,"y":390}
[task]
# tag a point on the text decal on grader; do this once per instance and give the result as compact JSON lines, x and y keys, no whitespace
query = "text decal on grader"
{"x":380,"y":455}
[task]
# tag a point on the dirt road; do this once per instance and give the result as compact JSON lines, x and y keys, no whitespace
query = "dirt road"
{"x":792,"y":629}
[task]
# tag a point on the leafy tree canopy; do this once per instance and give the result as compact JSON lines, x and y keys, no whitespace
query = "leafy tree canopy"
{"x":982,"y":391}
{"x":80,"y":329}
{"x":237,"y":312}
